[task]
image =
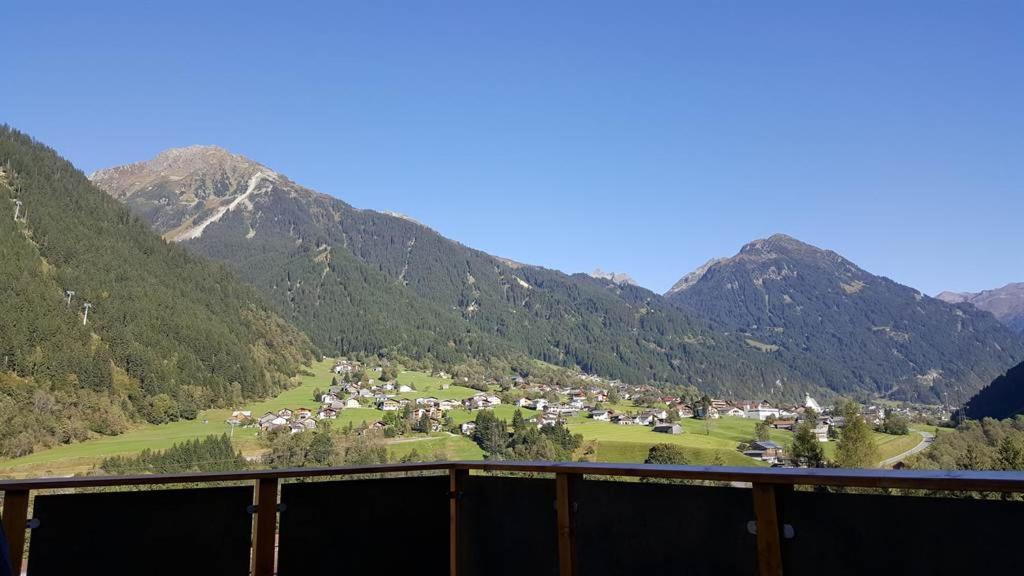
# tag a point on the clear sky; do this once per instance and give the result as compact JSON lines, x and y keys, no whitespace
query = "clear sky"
{"x":643,"y":137}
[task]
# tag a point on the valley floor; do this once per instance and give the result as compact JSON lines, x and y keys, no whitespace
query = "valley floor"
{"x":715,"y":443}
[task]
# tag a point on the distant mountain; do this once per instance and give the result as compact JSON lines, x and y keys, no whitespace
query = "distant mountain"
{"x":614,"y":277}
{"x":1003,"y":398}
{"x":1006,"y":303}
{"x":167,"y":333}
{"x":364,"y":280}
{"x":850,"y":330}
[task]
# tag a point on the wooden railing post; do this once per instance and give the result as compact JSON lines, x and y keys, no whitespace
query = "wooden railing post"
{"x":769,"y":543}
{"x":564,"y":488}
{"x":14,"y":519}
{"x":456,"y":480}
{"x":264,"y":527}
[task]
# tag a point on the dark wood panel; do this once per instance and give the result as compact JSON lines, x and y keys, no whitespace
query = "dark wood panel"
{"x":389,"y":526}
{"x":508,"y":527}
{"x":650,"y":528}
{"x":153,"y":532}
{"x":848,"y":534}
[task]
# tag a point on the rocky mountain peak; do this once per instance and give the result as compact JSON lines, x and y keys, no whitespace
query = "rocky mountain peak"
{"x":615,"y":277}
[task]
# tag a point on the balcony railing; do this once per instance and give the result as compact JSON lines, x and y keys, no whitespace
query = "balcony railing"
{"x":496,"y":518}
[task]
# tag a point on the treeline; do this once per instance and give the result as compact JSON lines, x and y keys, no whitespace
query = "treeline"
{"x":210,"y":454}
{"x":523,"y":440}
{"x":985,"y":444}
{"x":168,"y":333}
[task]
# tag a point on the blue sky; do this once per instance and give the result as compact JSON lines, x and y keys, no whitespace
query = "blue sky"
{"x":644,"y":137}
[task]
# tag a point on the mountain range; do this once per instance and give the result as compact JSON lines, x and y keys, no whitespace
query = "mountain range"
{"x":778,"y":319}
{"x":365,"y":280}
{"x":1006,"y":303}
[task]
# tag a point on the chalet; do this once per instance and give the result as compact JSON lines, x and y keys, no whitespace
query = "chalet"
{"x":684,"y":411}
{"x":241,"y":414}
{"x":705,"y":412}
{"x":352,"y":403}
{"x":821,"y":432}
{"x":784,"y":424}
{"x":303,"y":413}
{"x":546,"y":421}
{"x":266,"y":419}
{"x":307,"y":423}
{"x":428,"y":401}
{"x":284,"y":413}
{"x":657,"y":414}
{"x":328,"y":398}
{"x":468,"y":428}
{"x":447,"y":404}
{"x":764,"y":450}
{"x":365,"y":392}
{"x":337,"y":405}
{"x":388,"y":386}
{"x":668,"y":428}
{"x":403,"y":388}
{"x":602,"y":415}
{"x":540,"y":404}
{"x":388,"y":405}
{"x":525,"y":403}
{"x":327,"y":414}
{"x":343,"y":368}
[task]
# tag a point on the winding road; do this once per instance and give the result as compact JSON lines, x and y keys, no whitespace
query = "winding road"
{"x":926,"y":440}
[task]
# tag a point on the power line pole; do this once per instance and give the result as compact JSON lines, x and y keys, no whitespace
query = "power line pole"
{"x":17,"y":209}
{"x":85,"y":319}
{"x":69,"y":294}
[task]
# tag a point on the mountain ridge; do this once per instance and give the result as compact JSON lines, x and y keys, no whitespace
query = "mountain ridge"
{"x":328,"y":267}
{"x":1005,"y":303}
{"x":839,"y":323}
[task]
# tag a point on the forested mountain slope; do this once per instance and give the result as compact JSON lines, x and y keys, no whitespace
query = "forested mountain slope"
{"x":167,"y":334}
{"x":1003,"y":398}
{"x":360,"y":279}
{"x":853,"y":331}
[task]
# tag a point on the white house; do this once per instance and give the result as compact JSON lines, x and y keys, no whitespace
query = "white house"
{"x":761,"y":411}
{"x":351,"y":403}
{"x":388,"y":405}
{"x":600,"y":415}
{"x":404,"y":388}
{"x":468,"y":428}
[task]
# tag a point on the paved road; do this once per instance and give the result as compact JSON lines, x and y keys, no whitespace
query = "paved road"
{"x":926,"y":440}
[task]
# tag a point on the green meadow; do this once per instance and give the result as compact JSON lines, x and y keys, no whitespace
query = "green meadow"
{"x":703,"y":443}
